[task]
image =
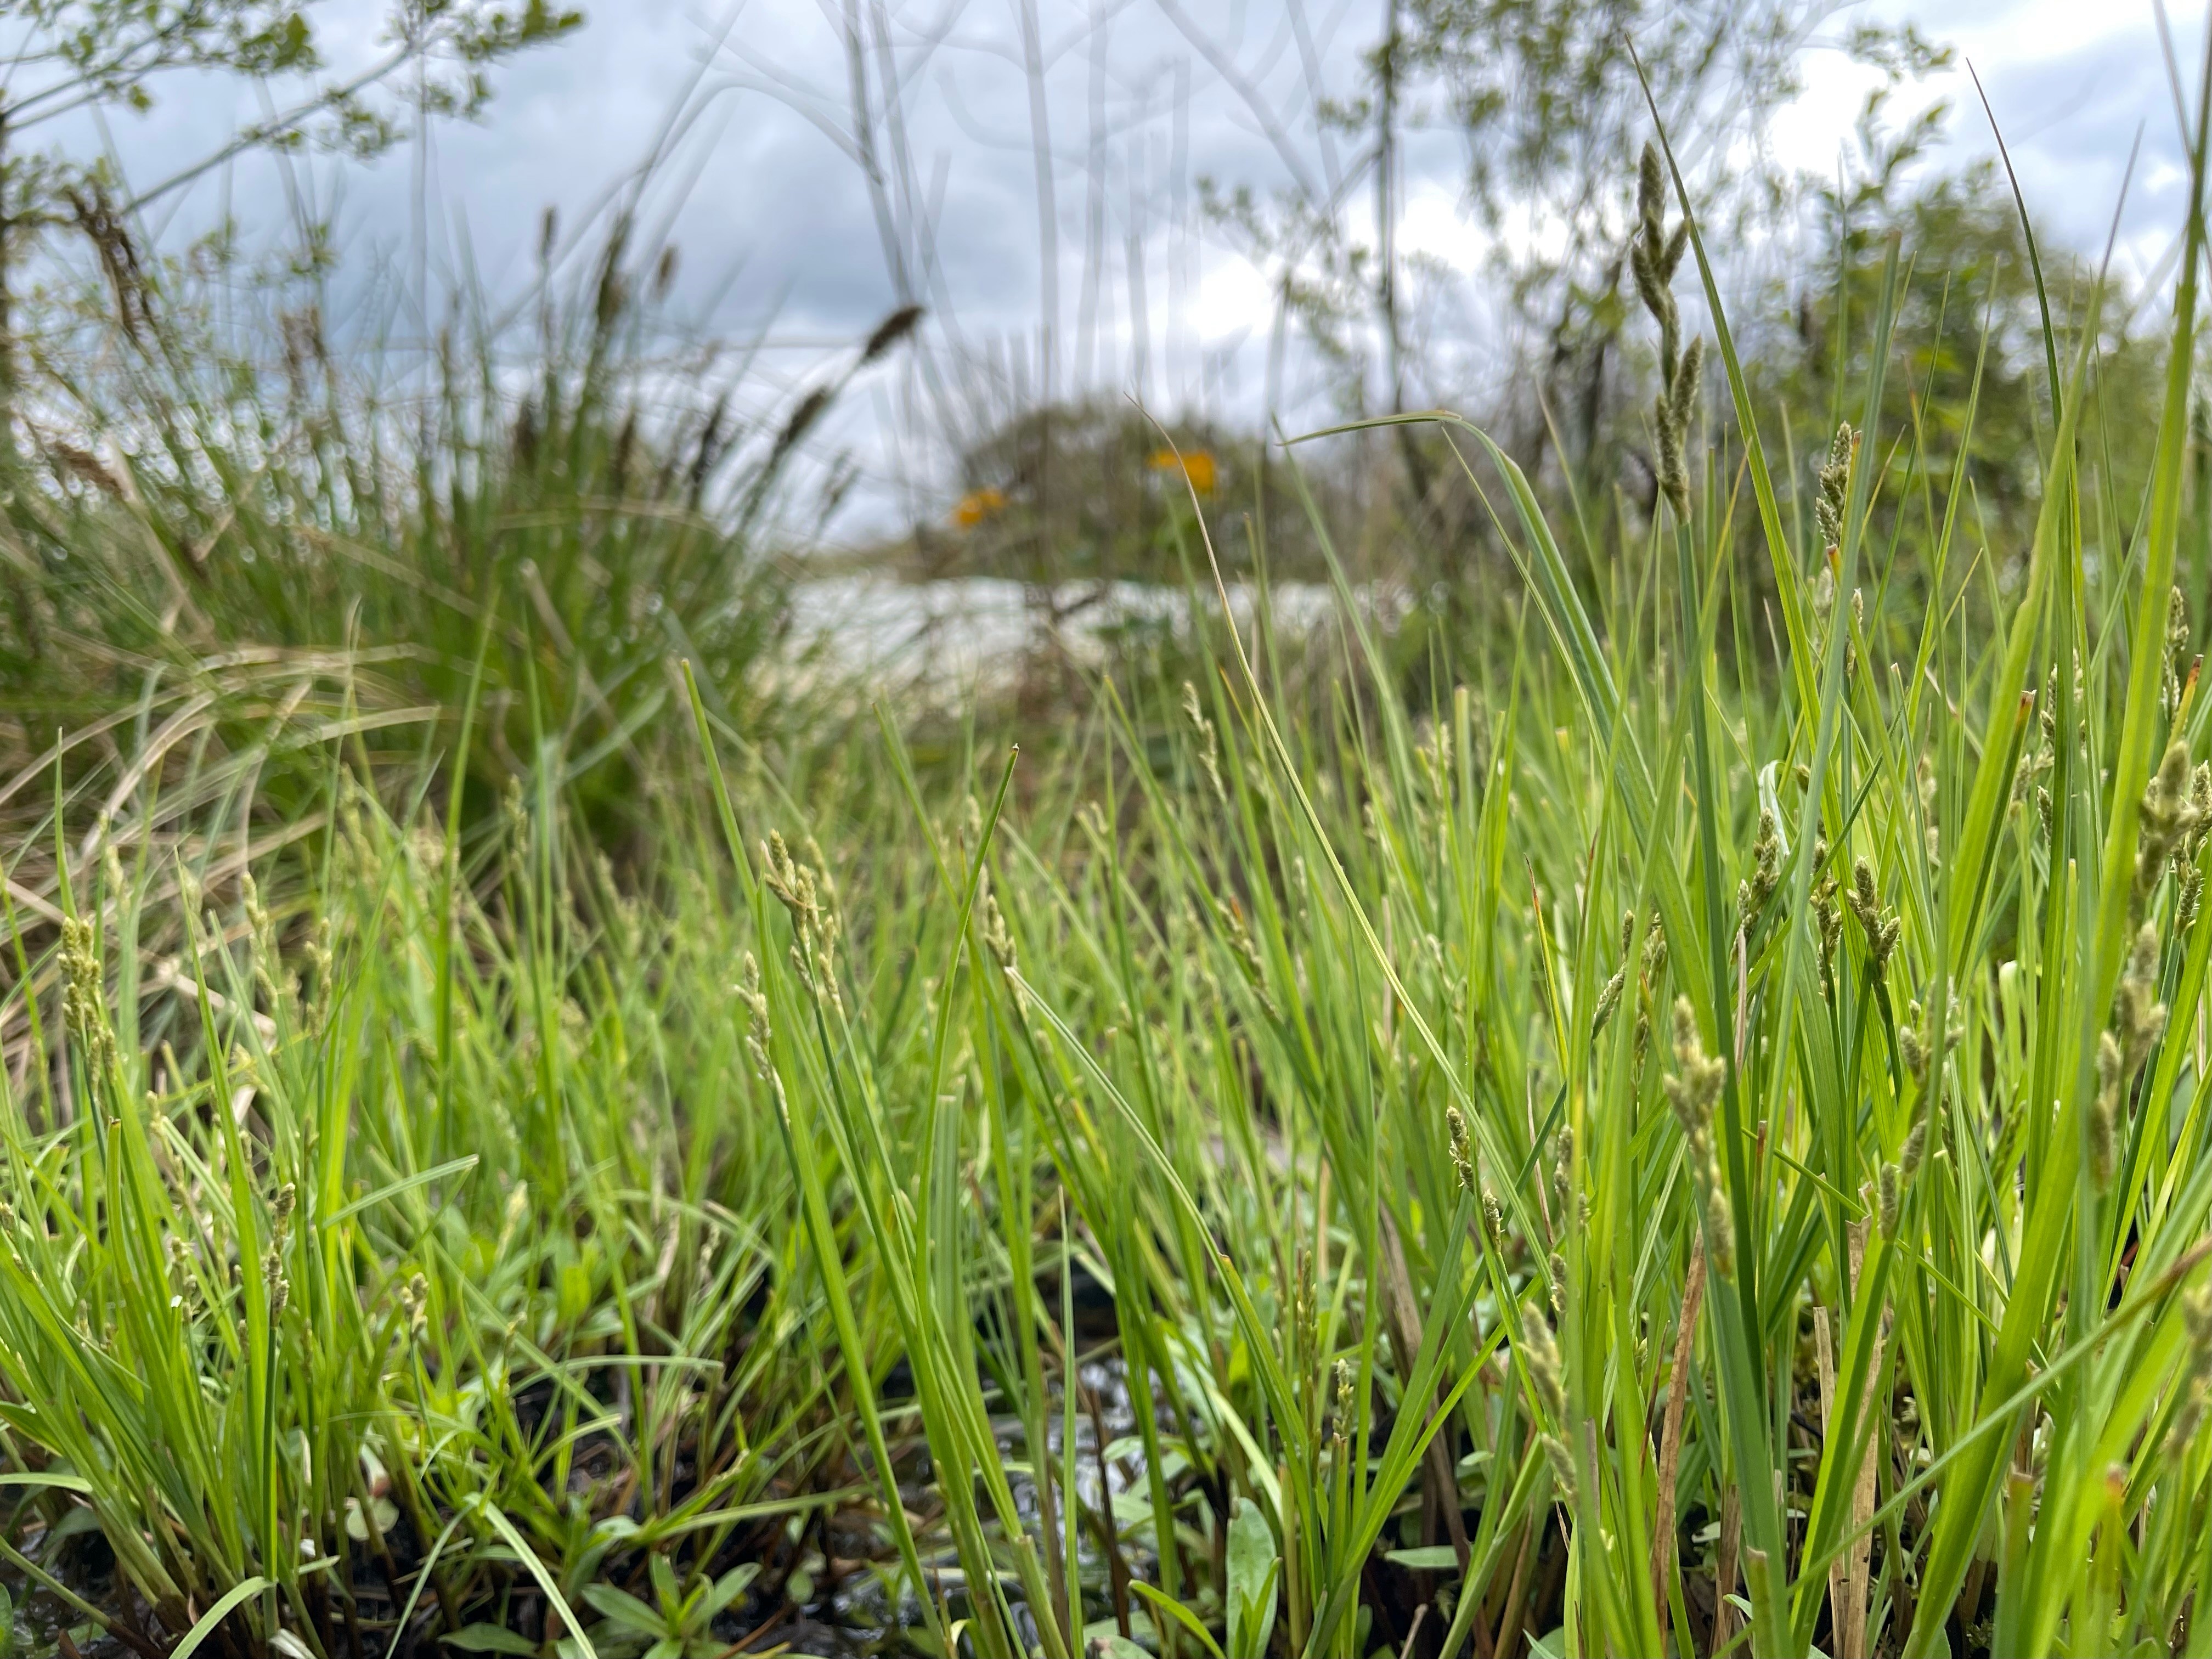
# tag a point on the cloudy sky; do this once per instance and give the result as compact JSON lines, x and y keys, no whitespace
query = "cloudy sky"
{"x":762,"y":188}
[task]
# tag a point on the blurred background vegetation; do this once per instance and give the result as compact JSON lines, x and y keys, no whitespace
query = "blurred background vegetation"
{"x":215,"y":495}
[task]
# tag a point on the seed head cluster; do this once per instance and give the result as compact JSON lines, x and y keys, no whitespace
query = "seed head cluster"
{"x":1608,"y":996}
{"x":1462,"y":1149}
{"x":808,"y":896}
{"x":1882,"y":926}
{"x":2138,"y":1020}
{"x":1828,"y":913}
{"x":1922,"y":1045}
{"x":272,"y":1264}
{"x":1653,"y":257}
{"x":1540,"y":1351}
{"x":2172,"y":823}
{"x":1651,"y":966}
{"x":1835,"y":489}
{"x":84,"y":1003}
{"x":2177,"y":664}
{"x":1752,"y":893}
{"x":1692,"y":1091}
{"x":2196,"y":1379}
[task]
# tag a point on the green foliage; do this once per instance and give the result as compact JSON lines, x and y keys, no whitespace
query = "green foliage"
{"x":1630,"y":1157}
{"x":191,"y":517}
{"x":677,"y":1623}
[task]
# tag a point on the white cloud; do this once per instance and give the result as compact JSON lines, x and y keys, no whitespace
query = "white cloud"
{"x":1435,"y":222}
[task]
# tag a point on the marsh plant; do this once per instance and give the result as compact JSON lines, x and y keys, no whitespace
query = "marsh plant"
{"x":1676,"y":1147}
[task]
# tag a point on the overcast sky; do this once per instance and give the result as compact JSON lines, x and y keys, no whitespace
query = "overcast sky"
{"x":781,"y":240}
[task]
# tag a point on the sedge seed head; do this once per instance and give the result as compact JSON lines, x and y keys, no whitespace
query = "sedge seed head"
{"x":1541,"y":1353}
{"x":1462,"y":1148}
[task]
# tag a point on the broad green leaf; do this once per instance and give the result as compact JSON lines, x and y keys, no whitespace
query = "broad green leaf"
{"x":1253,"y":1563}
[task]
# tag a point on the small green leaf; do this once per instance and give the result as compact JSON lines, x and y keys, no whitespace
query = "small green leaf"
{"x":664,"y":1587}
{"x":728,"y":1587}
{"x":1431,"y":1557}
{"x":488,"y":1638}
{"x":1176,"y":1610}
{"x":625,"y":1611}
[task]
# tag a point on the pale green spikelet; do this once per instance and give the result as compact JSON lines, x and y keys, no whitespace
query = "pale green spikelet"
{"x":1914,"y":1150}
{"x":1909,"y":1048}
{"x":2167,"y":818}
{"x":2138,"y":1021}
{"x":1209,"y":752}
{"x":1691,"y":1092}
{"x":1828,"y":913}
{"x":1608,"y":996}
{"x":1835,"y":489}
{"x":1880,"y":927}
{"x":748,"y":993}
{"x":998,"y":937}
{"x":1243,"y":952}
{"x":2177,"y":650}
{"x":2194,"y":1377}
{"x":84,"y":999}
{"x":279,"y":1287}
{"x":1754,"y":892}
{"x":1654,"y":253}
{"x":1542,"y":1355}
{"x":1720,"y":1222}
{"x":1699,"y":1078}
{"x":2105,"y":1112}
{"x":1462,"y":1149}
{"x":2188,"y":855}
{"x":1562,"y":1463}
{"x":2138,"y":1018}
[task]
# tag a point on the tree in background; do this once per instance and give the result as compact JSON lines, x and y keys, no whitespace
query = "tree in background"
{"x":64,"y":57}
{"x":1553,"y":125}
{"x":1968,"y":336}
{"x":1549,"y":99}
{"x":1546,"y":100}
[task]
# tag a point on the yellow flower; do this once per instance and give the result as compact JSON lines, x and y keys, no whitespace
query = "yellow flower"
{"x":1197,"y":466}
{"x":977,"y":504}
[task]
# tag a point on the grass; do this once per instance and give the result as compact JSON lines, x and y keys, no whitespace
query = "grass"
{"x":1692,"y":1142}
